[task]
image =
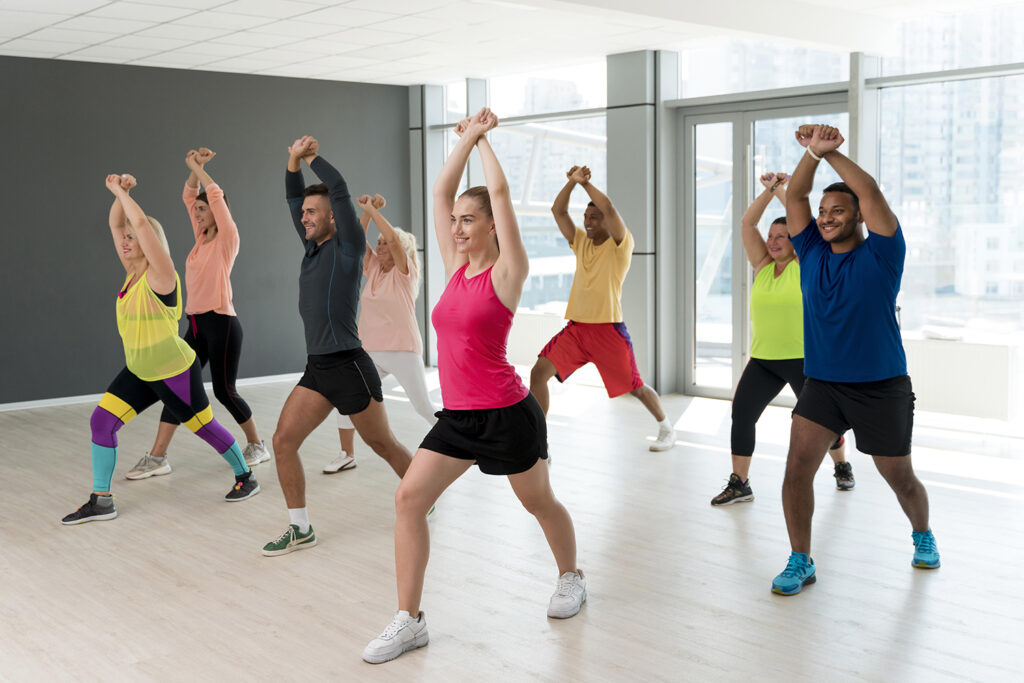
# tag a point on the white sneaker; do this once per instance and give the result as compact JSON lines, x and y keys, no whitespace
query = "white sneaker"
{"x":569,"y":596}
{"x":666,"y":439}
{"x":344,"y":461}
{"x":255,"y":453}
{"x":403,"y":634}
{"x":148,"y":466}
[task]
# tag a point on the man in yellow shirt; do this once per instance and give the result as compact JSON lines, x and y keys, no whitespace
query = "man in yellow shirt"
{"x":595,"y":333}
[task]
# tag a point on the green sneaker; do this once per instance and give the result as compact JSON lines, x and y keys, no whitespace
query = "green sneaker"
{"x":291,"y":539}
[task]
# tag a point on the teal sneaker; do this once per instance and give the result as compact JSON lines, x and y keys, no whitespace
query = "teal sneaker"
{"x":291,"y":539}
{"x":926,"y":554}
{"x":799,"y":572}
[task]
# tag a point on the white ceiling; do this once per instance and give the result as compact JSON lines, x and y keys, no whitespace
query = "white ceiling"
{"x":416,"y":41}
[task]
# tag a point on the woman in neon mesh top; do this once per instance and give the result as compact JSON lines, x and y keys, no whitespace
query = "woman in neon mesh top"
{"x":489,"y":415}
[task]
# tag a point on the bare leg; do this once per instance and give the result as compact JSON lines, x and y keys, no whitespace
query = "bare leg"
{"x":910,"y":492}
{"x":164,"y":434}
{"x":533,"y":488}
{"x":808,"y":442}
{"x":303,"y":412}
{"x":838,"y":454}
{"x":348,"y":440}
{"x":249,"y":427}
{"x":741,"y":466}
{"x":543,"y":370}
{"x":426,"y":479}
{"x":649,"y":397}
{"x":372,"y":425}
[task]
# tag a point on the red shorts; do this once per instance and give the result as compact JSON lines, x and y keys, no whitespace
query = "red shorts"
{"x":606,"y":345}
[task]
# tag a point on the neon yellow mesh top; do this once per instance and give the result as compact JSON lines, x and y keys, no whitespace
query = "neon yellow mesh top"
{"x":777,"y":314}
{"x":149,"y":329}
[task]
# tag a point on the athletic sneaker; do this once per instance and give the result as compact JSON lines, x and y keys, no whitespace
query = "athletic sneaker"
{"x":344,"y":461}
{"x":666,"y":439}
{"x":734,"y":492}
{"x":799,"y":572}
{"x":403,"y":634}
{"x":255,"y":453}
{"x":149,"y":466}
{"x":926,"y":553}
{"x":570,"y":594}
{"x":844,"y":476}
{"x":291,"y":539}
{"x":98,"y":508}
{"x":243,"y":488}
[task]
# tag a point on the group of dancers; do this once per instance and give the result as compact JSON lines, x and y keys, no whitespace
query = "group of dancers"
{"x":822,"y":310}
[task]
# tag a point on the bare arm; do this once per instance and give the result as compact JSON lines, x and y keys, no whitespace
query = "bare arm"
{"x":226,"y":228}
{"x":753,"y":242}
{"x":798,"y":206}
{"x":117,"y":220}
{"x":560,"y":207}
{"x":513,"y":265}
{"x":612,"y":220}
{"x":445,"y":187}
{"x":878,"y":217}
{"x":161,"y":274}
{"x":388,"y":232}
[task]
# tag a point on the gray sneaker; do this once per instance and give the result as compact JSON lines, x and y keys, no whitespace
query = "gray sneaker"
{"x":255,"y":453}
{"x":148,"y":466}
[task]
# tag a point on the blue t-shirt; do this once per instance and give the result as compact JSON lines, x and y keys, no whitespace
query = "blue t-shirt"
{"x":850,"y":328}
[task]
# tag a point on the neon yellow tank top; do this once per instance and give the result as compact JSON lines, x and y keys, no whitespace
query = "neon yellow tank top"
{"x":149,"y":329}
{"x":777,"y":314}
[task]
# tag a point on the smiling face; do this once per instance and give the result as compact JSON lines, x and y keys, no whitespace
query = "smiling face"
{"x":129,"y":246}
{"x":317,"y":218}
{"x":384,"y":255}
{"x":593,"y":223}
{"x":838,"y":218}
{"x":205,"y":221}
{"x":779,"y":247}
{"x":472,"y":228}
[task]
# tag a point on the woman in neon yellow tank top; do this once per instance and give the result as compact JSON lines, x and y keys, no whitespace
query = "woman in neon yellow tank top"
{"x":160,"y":366}
{"x":777,"y":345}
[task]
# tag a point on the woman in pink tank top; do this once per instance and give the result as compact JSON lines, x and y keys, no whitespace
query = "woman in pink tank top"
{"x":489,"y":415}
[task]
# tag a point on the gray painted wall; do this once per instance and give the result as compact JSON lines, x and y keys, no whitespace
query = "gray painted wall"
{"x":67,"y":124}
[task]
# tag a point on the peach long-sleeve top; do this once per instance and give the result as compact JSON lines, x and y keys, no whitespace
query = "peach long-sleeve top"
{"x":209,"y":264}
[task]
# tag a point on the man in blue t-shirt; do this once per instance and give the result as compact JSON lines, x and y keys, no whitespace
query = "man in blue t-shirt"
{"x":853,"y":355}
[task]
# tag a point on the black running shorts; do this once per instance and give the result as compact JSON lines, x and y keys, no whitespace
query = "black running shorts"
{"x":881,"y":413}
{"x":348,"y":379}
{"x":506,"y":440}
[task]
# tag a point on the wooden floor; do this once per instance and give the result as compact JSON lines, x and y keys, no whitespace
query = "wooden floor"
{"x":175,"y":589}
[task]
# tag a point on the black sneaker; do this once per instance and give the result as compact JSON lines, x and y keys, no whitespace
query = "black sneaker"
{"x":245,"y":486}
{"x":844,"y":476}
{"x":734,"y":492}
{"x":92,"y":511}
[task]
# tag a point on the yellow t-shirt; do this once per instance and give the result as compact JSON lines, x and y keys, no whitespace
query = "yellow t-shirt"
{"x":777,"y":314}
{"x":149,"y":329}
{"x":596,"y":295}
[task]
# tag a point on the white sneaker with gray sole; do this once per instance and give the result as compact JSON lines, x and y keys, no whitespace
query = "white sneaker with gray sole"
{"x":148,"y":466}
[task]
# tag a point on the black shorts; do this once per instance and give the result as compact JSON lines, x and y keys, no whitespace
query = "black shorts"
{"x":881,"y":413}
{"x":506,"y":440}
{"x":348,"y":379}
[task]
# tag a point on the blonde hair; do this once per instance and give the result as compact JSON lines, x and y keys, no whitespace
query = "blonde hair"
{"x":158,"y":230}
{"x":407,"y":241}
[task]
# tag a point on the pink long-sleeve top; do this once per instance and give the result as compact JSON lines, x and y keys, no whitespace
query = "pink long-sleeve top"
{"x":209,"y":264}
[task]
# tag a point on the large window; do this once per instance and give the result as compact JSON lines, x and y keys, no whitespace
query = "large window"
{"x":951,"y":159}
{"x":535,"y":157}
{"x":731,"y":65}
{"x":937,"y":42}
{"x":567,"y":88}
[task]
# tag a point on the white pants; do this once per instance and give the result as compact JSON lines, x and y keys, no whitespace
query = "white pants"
{"x":407,"y":367}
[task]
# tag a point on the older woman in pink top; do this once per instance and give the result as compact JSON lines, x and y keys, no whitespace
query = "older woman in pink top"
{"x":490,"y":417}
{"x":213,"y":328}
{"x":387,"y":320}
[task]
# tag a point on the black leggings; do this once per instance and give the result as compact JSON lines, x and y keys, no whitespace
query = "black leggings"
{"x":217,"y":340}
{"x":762,"y":380}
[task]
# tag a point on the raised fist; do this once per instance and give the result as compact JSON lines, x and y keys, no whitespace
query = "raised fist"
{"x":113,"y":183}
{"x":300,"y":147}
{"x":365,"y":202}
{"x":768,"y":180}
{"x":204,"y":155}
{"x":461,"y":127}
{"x":825,"y":139}
{"x":128,"y":181}
{"x":379,"y":202}
{"x":781,"y":179}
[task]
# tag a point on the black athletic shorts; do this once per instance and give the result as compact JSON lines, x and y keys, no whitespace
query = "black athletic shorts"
{"x":881,"y":413}
{"x":506,"y":440}
{"x":348,"y":379}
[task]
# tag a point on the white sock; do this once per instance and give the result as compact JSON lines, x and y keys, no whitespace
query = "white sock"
{"x":300,"y":518}
{"x":666,"y":424}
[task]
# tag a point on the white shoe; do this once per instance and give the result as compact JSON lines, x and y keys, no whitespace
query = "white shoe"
{"x":344,"y":461}
{"x":569,"y":596}
{"x":403,"y":634}
{"x":255,"y":453}
{"x":666,"y":439}
{"x":148,"y":466}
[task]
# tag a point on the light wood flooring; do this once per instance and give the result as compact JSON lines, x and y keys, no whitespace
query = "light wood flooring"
{"x":175,"y":589}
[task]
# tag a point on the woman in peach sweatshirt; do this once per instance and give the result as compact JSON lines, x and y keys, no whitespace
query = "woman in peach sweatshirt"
{"x":213,"y":329}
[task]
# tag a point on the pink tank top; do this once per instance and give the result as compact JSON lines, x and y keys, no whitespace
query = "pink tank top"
{"x":472,"y":332}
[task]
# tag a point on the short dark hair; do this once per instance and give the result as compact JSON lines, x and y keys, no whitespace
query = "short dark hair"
{"x":780,"y":219}
{"x":593,"y":205}
{"x":201,"y":197}
{"x":843,"y":187}
{"x":317,"y":189}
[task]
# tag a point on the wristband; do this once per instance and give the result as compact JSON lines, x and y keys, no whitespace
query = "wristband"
{"x":813,"y":155}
